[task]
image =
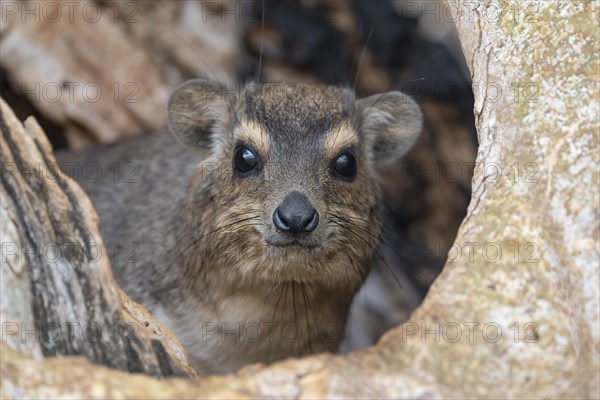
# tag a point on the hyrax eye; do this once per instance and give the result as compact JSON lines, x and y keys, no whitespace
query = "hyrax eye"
{"x":344,"y":166}
{"x":244,"y":160}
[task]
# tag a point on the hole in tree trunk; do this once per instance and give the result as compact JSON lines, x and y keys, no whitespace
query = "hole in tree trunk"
{"x":373,"y":50}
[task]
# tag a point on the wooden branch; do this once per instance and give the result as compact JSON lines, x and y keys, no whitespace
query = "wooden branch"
{"x":59,"y":297}
{"x":80,"y":62}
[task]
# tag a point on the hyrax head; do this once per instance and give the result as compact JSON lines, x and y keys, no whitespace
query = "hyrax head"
{"x":297,"y":195}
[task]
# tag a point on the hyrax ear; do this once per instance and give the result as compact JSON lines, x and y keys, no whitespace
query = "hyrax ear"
{"x":197,"y":111}
{"x":392,"y":123}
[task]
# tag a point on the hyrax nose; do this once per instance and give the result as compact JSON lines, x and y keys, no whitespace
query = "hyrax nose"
{"x":295,"y":214}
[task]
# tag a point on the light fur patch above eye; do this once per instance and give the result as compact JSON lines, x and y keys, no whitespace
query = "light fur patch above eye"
{"x":254,"y":134}
{"x":339,"y":138}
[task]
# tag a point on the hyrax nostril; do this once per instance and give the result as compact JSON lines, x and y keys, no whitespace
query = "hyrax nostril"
{"x":295,"y":214}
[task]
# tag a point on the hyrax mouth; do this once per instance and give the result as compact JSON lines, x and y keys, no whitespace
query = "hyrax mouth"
{"x":293,"y":243}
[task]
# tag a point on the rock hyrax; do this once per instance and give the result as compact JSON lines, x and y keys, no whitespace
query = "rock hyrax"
{"x":251,"y":244}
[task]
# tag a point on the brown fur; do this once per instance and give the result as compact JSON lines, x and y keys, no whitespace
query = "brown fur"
{"x":208,"y":261}
{"x":225,"y":262}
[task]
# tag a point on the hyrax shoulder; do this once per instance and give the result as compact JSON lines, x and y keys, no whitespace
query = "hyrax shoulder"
{"x":252,"y":244}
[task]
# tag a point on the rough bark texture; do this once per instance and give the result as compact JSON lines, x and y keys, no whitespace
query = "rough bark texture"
{"x":535,"y":200}
{"x":59,"y":297}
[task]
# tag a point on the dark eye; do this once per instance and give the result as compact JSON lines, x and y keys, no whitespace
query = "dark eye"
{"x":345,"y":166}
{"x":244,"y":160}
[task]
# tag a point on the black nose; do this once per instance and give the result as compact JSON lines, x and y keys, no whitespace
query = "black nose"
{"x":296,"y":214}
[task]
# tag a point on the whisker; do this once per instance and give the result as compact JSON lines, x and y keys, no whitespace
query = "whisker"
{"x":275,"y":311}
{"x":304,"y":295}
{"x":285,"y":296}
{"x":384,"y":241}
{"x":355,"y":52}
{"x":374,"y":249}
{"x":361,"y":58}
{"x":191,"y":273}
{"x":266,"y":300}
{"x":206,"y":234}
{"x":294,"y":302}
{"x":262,"y":41}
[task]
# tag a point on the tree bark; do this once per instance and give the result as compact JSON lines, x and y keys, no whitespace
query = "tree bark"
{"x":59,"y":297}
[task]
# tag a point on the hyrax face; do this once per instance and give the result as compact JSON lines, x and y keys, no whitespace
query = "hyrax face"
{"x":295,"y":195}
